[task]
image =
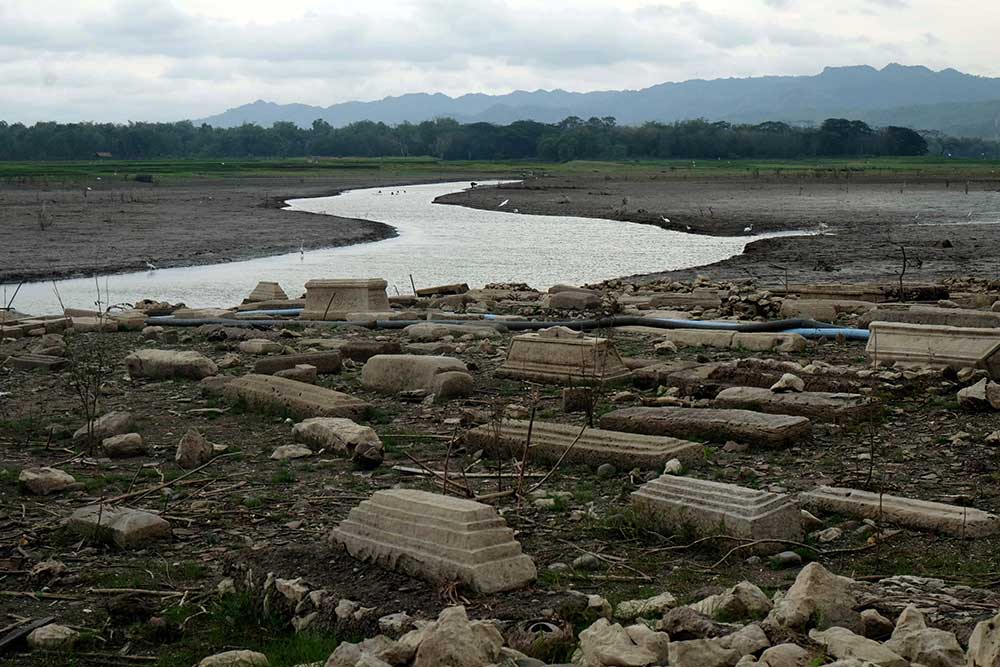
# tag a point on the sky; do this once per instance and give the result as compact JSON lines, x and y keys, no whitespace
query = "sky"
{"x":165,"y":60}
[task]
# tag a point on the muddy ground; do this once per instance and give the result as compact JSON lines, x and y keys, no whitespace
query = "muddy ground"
{"x":245,"y":511}
{"x":864,"y":219}
{"x":65,"y":229}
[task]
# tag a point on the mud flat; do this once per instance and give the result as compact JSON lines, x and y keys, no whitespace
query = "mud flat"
{"x":864,"y":219}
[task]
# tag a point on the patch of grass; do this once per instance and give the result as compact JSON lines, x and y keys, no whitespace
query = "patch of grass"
{"x":284,"y":475}
{"x":377,"y":415}
{"x":236,"y":620}
{"x":150,"y":573}
{"x":584,"y":491}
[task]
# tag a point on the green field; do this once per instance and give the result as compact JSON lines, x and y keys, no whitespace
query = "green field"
{"x":916,"y":167}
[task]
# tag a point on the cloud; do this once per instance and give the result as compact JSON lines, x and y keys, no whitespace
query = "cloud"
{"x":169,"y":59}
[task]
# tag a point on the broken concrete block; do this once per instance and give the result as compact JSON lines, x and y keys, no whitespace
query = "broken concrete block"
{"x":266,"y":291}
{"x":777,"y":342}
{"x":325,"y":362}
{"x":910,"y":512}
{"x":445,"y":377}
{"x":342,"y":436}
{"x":442,"y":290}
{"x":934,"y":346}
{"x":818,"y":405}
{"x":260,"y":346}
{"x":713,"y":508}
{"x":700,"y":338}
{"x":562,"y":356}
{"x":429,"y":332}
{"x":931,"y":315}
{"x":170,"y":364}
{"x":301,"y":373}
{"x":45,"y":362}
{"x":280,"y":395}
{"x":436,"y":537}
{"x":550,"y":442}
{"x":123,"y":526}
{"x":712,"y":424}
{"x":335,"y":299}
{"x":574,"y":299}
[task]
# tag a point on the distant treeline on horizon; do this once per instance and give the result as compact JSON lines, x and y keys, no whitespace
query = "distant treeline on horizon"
{"x":444,"y":138}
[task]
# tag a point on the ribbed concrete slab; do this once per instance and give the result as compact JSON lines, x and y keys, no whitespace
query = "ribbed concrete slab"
{"x":562,"y":356}
{"x":819,"y":405}
{"x":438,"y":538}
{"x":550,"y":441}
{"x":325,"y":362}
{"x":712,"y":424}
{"x":715,"y":508}
{"x":910,"y":512}
{"x":928,"y":345}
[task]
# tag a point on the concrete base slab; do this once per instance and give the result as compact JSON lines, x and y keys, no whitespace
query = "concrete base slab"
{"x":438,"y":538}
{"x":550,"y":442}
{"x":910,"y":512}
{"x":712,"y":424}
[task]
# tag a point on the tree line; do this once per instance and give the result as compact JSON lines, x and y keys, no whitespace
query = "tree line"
{"x":571,"y":139}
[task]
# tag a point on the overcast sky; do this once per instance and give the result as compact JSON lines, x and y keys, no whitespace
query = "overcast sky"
{"x":119,"y":60}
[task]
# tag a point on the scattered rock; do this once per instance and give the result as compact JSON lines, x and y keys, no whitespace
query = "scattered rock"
{"x":343,"y":436}
{"x":113,"y":423}
{"x":128,"y":528}
{"x":913,"y":640}
{"x":818,"y":596}
{"x":843,"y":644}
{"x":193,"y":450}
{"x":454,"y":641}
{"x":124,"y":446}
{"x":170,"y":364}
{"x":789,"y":383}
{"x":43,"y":481}
{"x":260,"y":346}
{"x":53,"y":637}
{"x":286,"y":452}
{"x":235,"y":659}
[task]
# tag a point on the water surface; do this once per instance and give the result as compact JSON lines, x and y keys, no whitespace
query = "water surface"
{"x":437,"y":244}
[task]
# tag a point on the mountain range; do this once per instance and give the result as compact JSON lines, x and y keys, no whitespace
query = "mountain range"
{"x":949,"y":101}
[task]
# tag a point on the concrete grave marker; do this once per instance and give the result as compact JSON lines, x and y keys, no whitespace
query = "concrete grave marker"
{"x":438,"y":538}
{"x":936,"y":346}
{"x":336,"y":299}
{"x":713,"y":424}
{"x":559,"y":355}
{"x":549,"y":442}
{"x":275,"y":394}
{"x":714,"y":508}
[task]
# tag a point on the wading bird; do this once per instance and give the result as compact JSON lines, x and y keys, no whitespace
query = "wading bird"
{"x":748,"y":228}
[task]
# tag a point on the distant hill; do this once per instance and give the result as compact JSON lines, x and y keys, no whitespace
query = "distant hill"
{"x":949,"y":101}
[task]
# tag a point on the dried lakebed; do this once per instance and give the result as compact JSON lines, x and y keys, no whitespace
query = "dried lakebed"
{"x":436,"y":244}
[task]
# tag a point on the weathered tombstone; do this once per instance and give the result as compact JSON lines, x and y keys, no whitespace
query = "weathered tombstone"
{"x":281,"y":395}
{"x":438,"y":538}
{"x":714,"y":508}
{"x":440,"y":290}
{"x":44,"y":362}
{"x":931,"y":315}
{"x":336,"y":299}
{"x":926,"y":345}
{"x":819,"y":405}
{"x":562,"y":356}
{"x":554,"y":442}
{"x":712,"y":424}
{"x":920,"y":514}
{"x":325,"y":362}
{"x":266,"y":291}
